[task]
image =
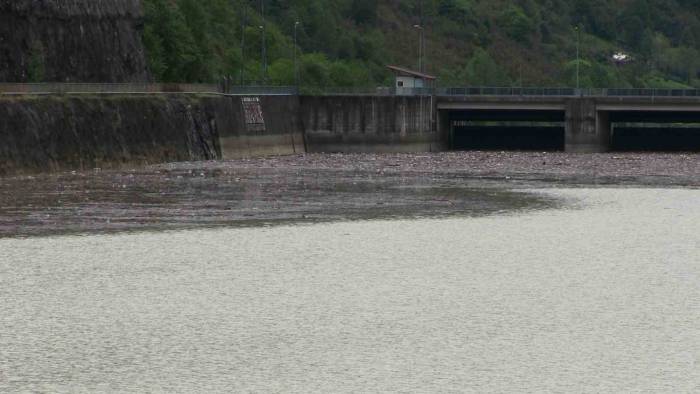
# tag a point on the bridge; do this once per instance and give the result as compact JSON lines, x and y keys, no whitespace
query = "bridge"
{"x":564,"y":119}
{"x":575,"y":121}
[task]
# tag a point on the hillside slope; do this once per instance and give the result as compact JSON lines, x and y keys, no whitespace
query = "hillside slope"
{"x":349,"y":42}
{"x":71,"y":41}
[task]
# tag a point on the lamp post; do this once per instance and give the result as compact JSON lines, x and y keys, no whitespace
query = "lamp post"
{"x":263,"y":55}
{"x":420,"y":47}
{"x":244,"y":22}
{"x":296,"y":69}
{"x":264,"y":42}
{"x":420,"y":69}
{"x":578,"y":57}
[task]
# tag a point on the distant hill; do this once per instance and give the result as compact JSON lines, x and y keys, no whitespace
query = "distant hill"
{"x":349,"y":42}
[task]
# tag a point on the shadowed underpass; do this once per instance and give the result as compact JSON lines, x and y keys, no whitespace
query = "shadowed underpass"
{"x":661,"y":131}
{"x":518,"y":130}
{"x":545,"y":130}
{"x":506,"y":137}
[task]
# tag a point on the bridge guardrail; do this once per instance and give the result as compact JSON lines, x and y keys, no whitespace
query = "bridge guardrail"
{"x":566,"y":92}
{"x":505,"y":91}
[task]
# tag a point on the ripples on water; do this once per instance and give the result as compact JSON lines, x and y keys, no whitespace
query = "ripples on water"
{"x":604,"y":297}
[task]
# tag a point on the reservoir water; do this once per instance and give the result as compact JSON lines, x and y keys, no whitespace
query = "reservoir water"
{"x":601,"y":294}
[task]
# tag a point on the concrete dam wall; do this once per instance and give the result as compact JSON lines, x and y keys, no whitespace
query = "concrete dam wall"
{"x":65,"y":132}
{"x":50,"y":133}
{"x":349,"y":124}
{"x":53,"y":133}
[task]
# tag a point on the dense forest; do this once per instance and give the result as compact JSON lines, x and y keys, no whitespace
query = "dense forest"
{"x":467,"y":42}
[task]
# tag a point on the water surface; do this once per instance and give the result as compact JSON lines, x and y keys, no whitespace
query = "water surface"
{"x":601,"y":296}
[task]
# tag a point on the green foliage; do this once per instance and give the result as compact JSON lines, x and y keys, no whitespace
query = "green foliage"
{"x":516,"y":24}
{"x":364,"y":12}
{"x":655,"y":80}
{"x":172,"y":50}
{"x":477,"y":42}
{"x":36,"y":69}
{"x":482,"y":70}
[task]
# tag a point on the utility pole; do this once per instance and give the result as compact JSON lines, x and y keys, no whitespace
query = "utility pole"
{"x":578,"y":57}
{"x":244,"y":23}
{"x":420,"y":47}
{"x":521,"y":73}
{"x":264,"y":43}
{"x":296,"y":68}
{"x":422,"y":51}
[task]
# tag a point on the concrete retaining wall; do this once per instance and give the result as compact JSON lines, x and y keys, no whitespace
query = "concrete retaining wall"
{"x":57,"y":132}
{"x":40,"y":133}
{"x":53,"y":133}
{"x":259,"y":126}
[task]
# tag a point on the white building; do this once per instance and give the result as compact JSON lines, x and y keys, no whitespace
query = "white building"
{"x":409,"y":82}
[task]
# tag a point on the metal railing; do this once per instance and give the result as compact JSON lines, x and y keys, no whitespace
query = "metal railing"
{"x":262,"y":90}
{"x":504,"y":91}
{"x":652,"y":92}
{"x":566,"y":92}
{"x":156,"y":88}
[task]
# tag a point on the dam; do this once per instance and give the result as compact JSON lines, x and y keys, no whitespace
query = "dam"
{"x":84,"y":126}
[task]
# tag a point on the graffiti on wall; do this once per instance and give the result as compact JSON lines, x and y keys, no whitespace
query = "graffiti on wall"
{"x":254,"y":119}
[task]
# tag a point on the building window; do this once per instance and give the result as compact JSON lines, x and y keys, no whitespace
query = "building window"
{"x":399,"y":84}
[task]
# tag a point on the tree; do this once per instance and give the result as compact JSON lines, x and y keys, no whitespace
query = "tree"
{"x":172,"y":51}
{"x":482,"y":70}
{"x":516,"y":24}
{"x":36,"y":69}
{"x":364,"y":12}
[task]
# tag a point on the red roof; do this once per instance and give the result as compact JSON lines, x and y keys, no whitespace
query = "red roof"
{"x":404,"y":71}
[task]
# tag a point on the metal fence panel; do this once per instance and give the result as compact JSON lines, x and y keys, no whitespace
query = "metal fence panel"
{"x":262,"y":90}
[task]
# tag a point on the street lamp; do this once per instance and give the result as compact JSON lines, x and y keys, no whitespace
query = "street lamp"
{"x":420,"y":47}
{"x":296,"y":69}
{"x":244,"y":22}
{"x":578,"y":57}
{"x":264,"y":42}
{"x":263,"y":54}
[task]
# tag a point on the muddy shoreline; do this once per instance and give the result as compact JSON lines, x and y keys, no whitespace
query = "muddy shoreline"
{"x":319,"y":187}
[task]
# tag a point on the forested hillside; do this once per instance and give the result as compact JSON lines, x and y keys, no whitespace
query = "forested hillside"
{"x":468,"y":42}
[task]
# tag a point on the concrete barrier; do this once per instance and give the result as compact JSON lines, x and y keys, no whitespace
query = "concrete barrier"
{"x":259,"y":126}
{"x":53,"y":133}
{"x":370,"y":124}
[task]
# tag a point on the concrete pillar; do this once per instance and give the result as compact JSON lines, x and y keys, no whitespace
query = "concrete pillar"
{"x":444,"y":129}
{"x":587,"y":130}
{"x":604,"y":130}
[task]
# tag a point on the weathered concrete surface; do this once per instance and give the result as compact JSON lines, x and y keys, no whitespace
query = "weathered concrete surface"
{"x":49,"y":133}
{"x":84,"y":132}
{"x":71,"y":41}
{"x":280,"y":132}
{"x":370,"y":124}
{"x":587,"y":130}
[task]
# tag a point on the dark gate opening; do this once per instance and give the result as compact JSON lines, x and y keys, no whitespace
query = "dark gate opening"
{"x":522,"y":138}
{"x":660,"y":131}
{"x":524,"y":130}
{"x":660,"y":139}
